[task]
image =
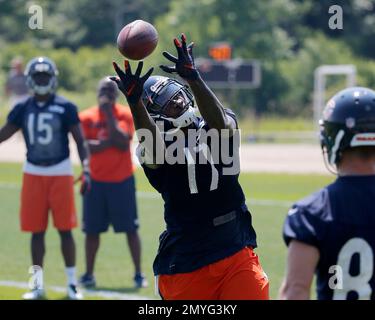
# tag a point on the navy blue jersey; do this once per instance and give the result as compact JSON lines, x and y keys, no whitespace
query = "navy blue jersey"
{"x":205,"y":212}
{"x":45,"y":128}
{"x":339,"y":220}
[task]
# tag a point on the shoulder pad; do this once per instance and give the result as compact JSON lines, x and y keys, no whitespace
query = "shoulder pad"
{"x":317,"y":204}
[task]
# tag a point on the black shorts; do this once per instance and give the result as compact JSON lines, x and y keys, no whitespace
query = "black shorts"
{"x":110,"y":203}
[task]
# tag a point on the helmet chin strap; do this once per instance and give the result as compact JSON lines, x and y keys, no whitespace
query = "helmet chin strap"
{"x":182,"y":121}
{"x":327,"y":164}
{"x":42,"y":90}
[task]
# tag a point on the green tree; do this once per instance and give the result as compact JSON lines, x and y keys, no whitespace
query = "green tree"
{"x":254,"y":28}
{"x":358,"y":22}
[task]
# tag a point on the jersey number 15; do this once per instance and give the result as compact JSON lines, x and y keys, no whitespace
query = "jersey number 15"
{"x":39,"y":129}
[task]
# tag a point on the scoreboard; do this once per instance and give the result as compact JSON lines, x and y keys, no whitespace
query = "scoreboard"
{"x":222,"y":71}
{"x":235,"y":73}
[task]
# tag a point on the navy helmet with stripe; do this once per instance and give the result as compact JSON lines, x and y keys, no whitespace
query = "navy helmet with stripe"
{"x":348,"y":122}
{"x":158,"y":91}
{"x":41,"y":65}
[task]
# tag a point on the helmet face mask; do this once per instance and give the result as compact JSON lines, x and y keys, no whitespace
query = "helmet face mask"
{"x":348,"y":122}
{"x":176,"y":106}
{"x":163,"y":97}
{"x":41,"y":76}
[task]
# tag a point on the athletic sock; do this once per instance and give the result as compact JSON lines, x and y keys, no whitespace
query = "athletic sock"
{"x":38,"y":281}
{"x":71,"y":275}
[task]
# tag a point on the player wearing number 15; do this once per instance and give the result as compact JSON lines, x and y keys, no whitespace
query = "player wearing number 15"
{"x":331,"y":233}
{"x":206,"y":251}
{"x":46,"y":120}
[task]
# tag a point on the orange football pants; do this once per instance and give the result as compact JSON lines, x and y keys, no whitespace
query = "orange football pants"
{"x":238,"y":277}
{"x":43,"y":193}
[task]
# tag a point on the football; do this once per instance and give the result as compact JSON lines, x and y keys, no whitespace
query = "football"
{"x":137,"y":40}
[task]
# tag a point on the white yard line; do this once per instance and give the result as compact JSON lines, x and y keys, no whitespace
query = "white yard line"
{"x":6,"y":185}
{"x":269,"y":203}
{"x":87,"y":293}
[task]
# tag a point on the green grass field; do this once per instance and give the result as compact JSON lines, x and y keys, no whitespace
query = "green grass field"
{"x":268,"y":196}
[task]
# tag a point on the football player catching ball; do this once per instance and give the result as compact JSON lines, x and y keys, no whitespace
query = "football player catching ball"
{"x":207,"y":249}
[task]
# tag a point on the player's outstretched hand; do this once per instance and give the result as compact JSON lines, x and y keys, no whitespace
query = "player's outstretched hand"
{"x":184,"y":62}
{"x":85,"y":183}
{"x":131,"y":85}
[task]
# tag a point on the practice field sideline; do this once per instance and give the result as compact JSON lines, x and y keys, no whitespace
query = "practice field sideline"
{"x":260,"y":157}
{"x":268,"y":196}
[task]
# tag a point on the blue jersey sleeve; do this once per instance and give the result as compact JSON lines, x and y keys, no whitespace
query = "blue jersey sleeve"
{"x":156,"y":177}
{"x":72,"y":117}
{"x":299,"y":226}
{"x":15,"y":117}
{"x":307,"y":220}
{"x":231,"y":114}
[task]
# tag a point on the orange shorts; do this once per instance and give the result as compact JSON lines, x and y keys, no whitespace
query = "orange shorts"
{"x":238,"y":277}
{"x":43,"y":193}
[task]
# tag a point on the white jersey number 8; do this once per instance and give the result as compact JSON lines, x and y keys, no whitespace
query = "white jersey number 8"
{"x":360,"y":282}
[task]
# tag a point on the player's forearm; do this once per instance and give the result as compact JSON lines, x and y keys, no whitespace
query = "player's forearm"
{"x":112,"y":124}
{"x":209,"y":105}
{"x":82,"y":146}
{"x":117,"y":136}
{"x":146,"y":129}
{"x":7,"y":131}
{"x":4,"y":135}
{"x":83,"y":152}
{"x":96,"y":146}
{"x":84,"y":155}
{"x":120,"y":142}
{"x":294,"y":291}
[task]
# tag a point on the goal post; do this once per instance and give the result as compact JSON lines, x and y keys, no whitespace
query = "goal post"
{"x":320,"y":75}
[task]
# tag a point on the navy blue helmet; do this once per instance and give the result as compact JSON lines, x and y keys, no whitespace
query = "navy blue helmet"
{"x":348,"y":122}
{"x":158,"y":91}
{"x":37,"y":66}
